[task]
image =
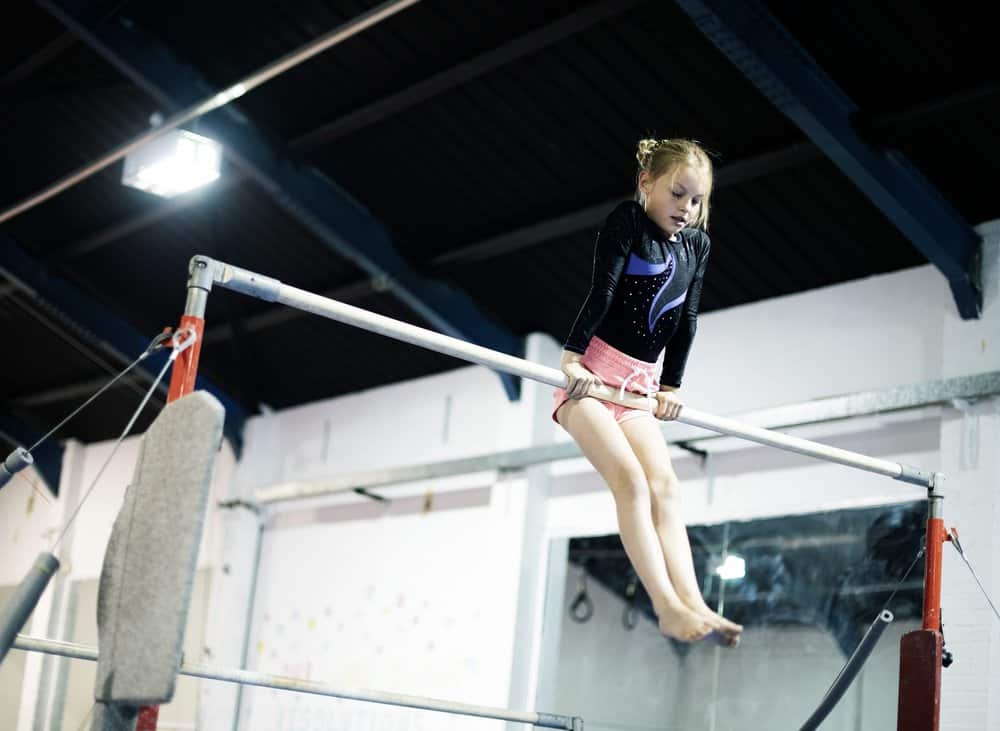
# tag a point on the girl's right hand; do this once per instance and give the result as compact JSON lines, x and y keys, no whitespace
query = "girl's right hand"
{"x":580,"y":379}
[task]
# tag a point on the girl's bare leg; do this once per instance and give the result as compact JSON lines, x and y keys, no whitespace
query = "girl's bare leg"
{"x":605,"y":446}
{"x":647,"y":443}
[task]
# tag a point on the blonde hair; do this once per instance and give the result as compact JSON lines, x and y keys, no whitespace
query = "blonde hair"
{"x":665,"y":157}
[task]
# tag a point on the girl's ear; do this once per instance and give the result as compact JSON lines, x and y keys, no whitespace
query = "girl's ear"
{"x":645,"y":181}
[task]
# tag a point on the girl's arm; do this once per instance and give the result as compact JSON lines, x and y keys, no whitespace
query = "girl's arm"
{"x":614,"y":242}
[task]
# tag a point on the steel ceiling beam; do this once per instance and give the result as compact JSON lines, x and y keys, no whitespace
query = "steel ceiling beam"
{"x":461,"y":73}
{"x":784,"y":72}
{"x":321,"y":206}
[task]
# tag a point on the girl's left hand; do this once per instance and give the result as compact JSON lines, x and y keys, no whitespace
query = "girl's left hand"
{"x":668,"y":406}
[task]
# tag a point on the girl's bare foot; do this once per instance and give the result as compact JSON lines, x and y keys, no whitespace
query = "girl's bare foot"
{"x":724,"y":625}
{"x":716,"y":637}
{"x":679,"y":622}
{"x":730,"y":631}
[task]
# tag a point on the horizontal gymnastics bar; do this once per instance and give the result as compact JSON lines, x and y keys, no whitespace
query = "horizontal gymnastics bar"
{"x":264,"y":680}
{"x":206,"y":271}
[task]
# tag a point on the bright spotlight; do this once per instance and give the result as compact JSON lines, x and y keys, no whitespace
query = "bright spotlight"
{"x":733,"y":567}
{"x":173,"y":163}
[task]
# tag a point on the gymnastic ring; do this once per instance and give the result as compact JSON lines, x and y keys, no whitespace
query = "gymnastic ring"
{"x":630,"y":617}
{"x":584,"y":601}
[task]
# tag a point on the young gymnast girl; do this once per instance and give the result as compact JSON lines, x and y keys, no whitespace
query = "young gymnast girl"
{"x":633,"y":332}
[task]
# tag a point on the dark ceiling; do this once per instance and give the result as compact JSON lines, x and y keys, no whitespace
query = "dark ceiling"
{"x":488,"y":138}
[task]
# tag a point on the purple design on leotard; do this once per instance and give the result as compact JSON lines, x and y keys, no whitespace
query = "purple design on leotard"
{"x":665,"y":309}
{"x":658,"y":310}
{"x":637,"y":266}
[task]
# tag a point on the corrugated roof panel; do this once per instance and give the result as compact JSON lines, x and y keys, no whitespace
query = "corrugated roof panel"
{"x":957,"y":154}
{"x":50,"y":146}
{"x":420,"y":40}
{"x":889,"y":56}
{"x":539,"y":288}
{"x":42,"y":358}
{"x":146,"y":274}
{"x":24,"y":41}
{"x":51,"y":356}
{"x":837,"y":209}
{"x":91,"y":110}
{"x":475,"y":126}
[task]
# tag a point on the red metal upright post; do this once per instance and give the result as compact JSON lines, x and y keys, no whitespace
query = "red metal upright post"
{"x":186,"y":366}
{"x":182,"y":381}
{"x":148,"y":716}
{"x":921,"y":652}
{"x":936,"y":536}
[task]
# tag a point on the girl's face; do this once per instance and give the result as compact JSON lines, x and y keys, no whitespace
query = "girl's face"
{"x":674,"y":201}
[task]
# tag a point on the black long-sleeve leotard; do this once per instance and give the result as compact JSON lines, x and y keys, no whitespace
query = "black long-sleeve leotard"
{"x":644,"y":292}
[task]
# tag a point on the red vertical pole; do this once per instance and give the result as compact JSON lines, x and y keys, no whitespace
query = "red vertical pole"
{"x":186,"y":366}
{"x":936,"y":536}
{"x":148,"y":716}
{"x":921,"y":652}
{"x":182,"y":380}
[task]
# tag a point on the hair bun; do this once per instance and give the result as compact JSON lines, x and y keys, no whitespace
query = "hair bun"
{"x":646,"y":149}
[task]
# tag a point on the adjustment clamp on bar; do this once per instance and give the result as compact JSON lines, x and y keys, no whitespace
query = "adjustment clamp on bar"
{"x":915,"y":476}
{"x":935,"y":495}
{"x":247,"y":282}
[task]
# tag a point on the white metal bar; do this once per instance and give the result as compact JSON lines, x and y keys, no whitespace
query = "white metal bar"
{"x":264,"y":680}
{"x":234,"y":91}
{"x":270,"y":289}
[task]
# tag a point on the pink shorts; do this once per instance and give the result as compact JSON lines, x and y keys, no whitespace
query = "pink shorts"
{"x":614,"y":368}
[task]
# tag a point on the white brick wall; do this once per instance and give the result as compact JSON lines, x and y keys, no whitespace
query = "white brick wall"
{"x":970,"y":452}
